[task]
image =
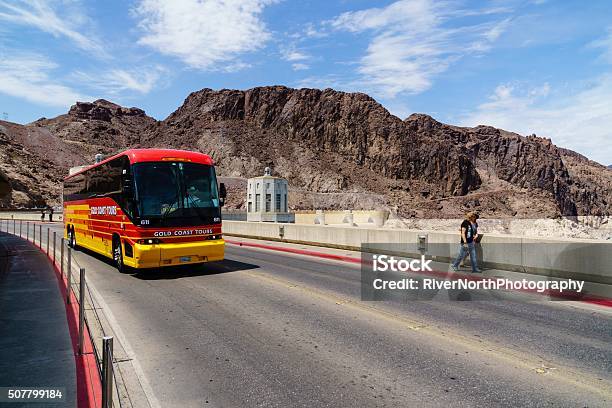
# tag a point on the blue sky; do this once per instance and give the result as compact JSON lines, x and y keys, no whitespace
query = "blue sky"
{"x":530,"y":66}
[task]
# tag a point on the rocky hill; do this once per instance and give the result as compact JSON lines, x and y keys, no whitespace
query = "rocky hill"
{"x":33,"y":160}
{"x":338,"y":150}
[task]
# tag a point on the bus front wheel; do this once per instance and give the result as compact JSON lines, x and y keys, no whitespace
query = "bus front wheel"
{"x":118,"y":256}
{"x":71,"y":238}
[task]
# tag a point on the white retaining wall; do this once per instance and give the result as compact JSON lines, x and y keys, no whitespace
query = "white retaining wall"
{"x":589,"y":260}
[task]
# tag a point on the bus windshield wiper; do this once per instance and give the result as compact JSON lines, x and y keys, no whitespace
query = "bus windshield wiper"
{"x":194,"y":204}
{"x":165,"y":212}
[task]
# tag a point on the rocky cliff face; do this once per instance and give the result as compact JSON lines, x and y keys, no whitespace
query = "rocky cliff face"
{"x":344,"y":150}
{"x":36,"y":157}
{"x":530,"y":163}
{"x":322,"y":141}
{"x":99,"y":126}
{"x":32,"y":161}
{"x":5,"y":186}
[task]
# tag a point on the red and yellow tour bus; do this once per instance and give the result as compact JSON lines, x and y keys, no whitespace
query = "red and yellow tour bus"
{"x":147,"y":208}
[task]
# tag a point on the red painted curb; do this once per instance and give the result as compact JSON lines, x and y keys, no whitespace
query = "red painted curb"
{"x":605,"y":302}
{"x":341,"y":258}
{"x":89,"y":383}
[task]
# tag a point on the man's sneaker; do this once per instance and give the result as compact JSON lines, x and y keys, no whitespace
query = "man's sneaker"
{"x":477,"y":271}
{"x":454,"y":268}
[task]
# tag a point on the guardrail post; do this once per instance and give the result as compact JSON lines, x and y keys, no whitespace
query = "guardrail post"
{"x":20,"y":228}
{"x":107,"y":372}
{"x":27,"y":231}
{"x":34,"y":234}
{"x":68,"y":275}
{"x":14,"y":226}
{"x":62,"y":257}
{"x":54,"y":241}
{"x":81,"y":309}
{"x":48,"y":241}
{"x":40,"y":235}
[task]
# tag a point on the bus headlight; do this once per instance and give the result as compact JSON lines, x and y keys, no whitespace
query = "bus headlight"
{"x":149,"y":241}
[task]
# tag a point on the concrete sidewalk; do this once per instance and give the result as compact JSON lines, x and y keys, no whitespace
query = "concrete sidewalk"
{"x":35,"y":344}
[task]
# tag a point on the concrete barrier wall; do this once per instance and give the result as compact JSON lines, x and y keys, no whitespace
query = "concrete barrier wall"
{"x":234,"y":215}
{"x":373,"y":218}
{"x":29,"y":215}
{"x":588,"y":260}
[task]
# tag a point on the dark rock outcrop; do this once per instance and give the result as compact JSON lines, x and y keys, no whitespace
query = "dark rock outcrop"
{"x":269,"y":123}
{"x":100,"y":126}
{"x":5,"y":185}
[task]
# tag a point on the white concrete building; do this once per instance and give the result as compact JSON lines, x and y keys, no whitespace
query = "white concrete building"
{"x":267,"y":199}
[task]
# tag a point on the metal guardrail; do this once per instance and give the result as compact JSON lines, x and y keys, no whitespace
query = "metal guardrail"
{"x":80,"y":290}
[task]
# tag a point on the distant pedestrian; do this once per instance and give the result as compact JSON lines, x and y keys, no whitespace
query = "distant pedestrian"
{"x":477,"y":238}
{"x":50,"y":214}
{"x":42,"y":215}
{"x":467,"y":245}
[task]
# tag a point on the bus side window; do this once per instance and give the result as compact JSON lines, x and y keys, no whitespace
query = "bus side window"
{"x":75,"y":188}
{"x":105,"y":180}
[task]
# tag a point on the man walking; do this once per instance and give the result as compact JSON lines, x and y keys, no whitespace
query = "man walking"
{"x":467,"y":245}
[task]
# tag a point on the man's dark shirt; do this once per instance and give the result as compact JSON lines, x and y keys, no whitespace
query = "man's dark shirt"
{"x":469,"y":231}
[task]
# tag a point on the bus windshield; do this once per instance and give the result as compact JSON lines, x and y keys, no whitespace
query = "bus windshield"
{"x":166,"y":190}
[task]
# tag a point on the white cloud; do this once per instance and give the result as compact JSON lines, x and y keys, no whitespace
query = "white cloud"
{"x":412,"y":43}
{"x":579,"y":120}
{"x":300,"y":66}
{"x":294,"y":55}
{"x":298,"y":58}
{"x":605,"y":44}
{"x":29,"y":77}
{"x":204,"y":34}
{"x":415,"y":15}
{"x":117,"y":81}
{"x":311,"y":31}
{"x":41,"y":15}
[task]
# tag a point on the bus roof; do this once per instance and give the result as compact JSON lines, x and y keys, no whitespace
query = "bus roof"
{"x":153,"y":155}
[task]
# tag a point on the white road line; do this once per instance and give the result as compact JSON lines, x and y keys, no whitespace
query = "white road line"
{"x":146,"y":387}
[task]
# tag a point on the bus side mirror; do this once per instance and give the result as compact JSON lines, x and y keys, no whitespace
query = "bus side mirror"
{"x":222,"y":194}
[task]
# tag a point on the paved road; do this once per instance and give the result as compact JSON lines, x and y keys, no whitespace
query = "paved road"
{"x":277,"y":330}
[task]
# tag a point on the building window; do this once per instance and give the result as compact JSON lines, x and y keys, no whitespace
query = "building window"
{"x":250,"y":207}
{"x":278,"y":203}
{"x":286,"y":210}
{"x":268,"y":202}
{"x":257,"y":201}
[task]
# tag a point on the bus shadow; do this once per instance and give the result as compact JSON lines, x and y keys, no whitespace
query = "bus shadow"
{"x":186,"y":271}
{"x":177,"y":272}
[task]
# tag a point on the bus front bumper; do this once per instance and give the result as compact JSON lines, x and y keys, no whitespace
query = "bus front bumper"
{"x":184,"y":253}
